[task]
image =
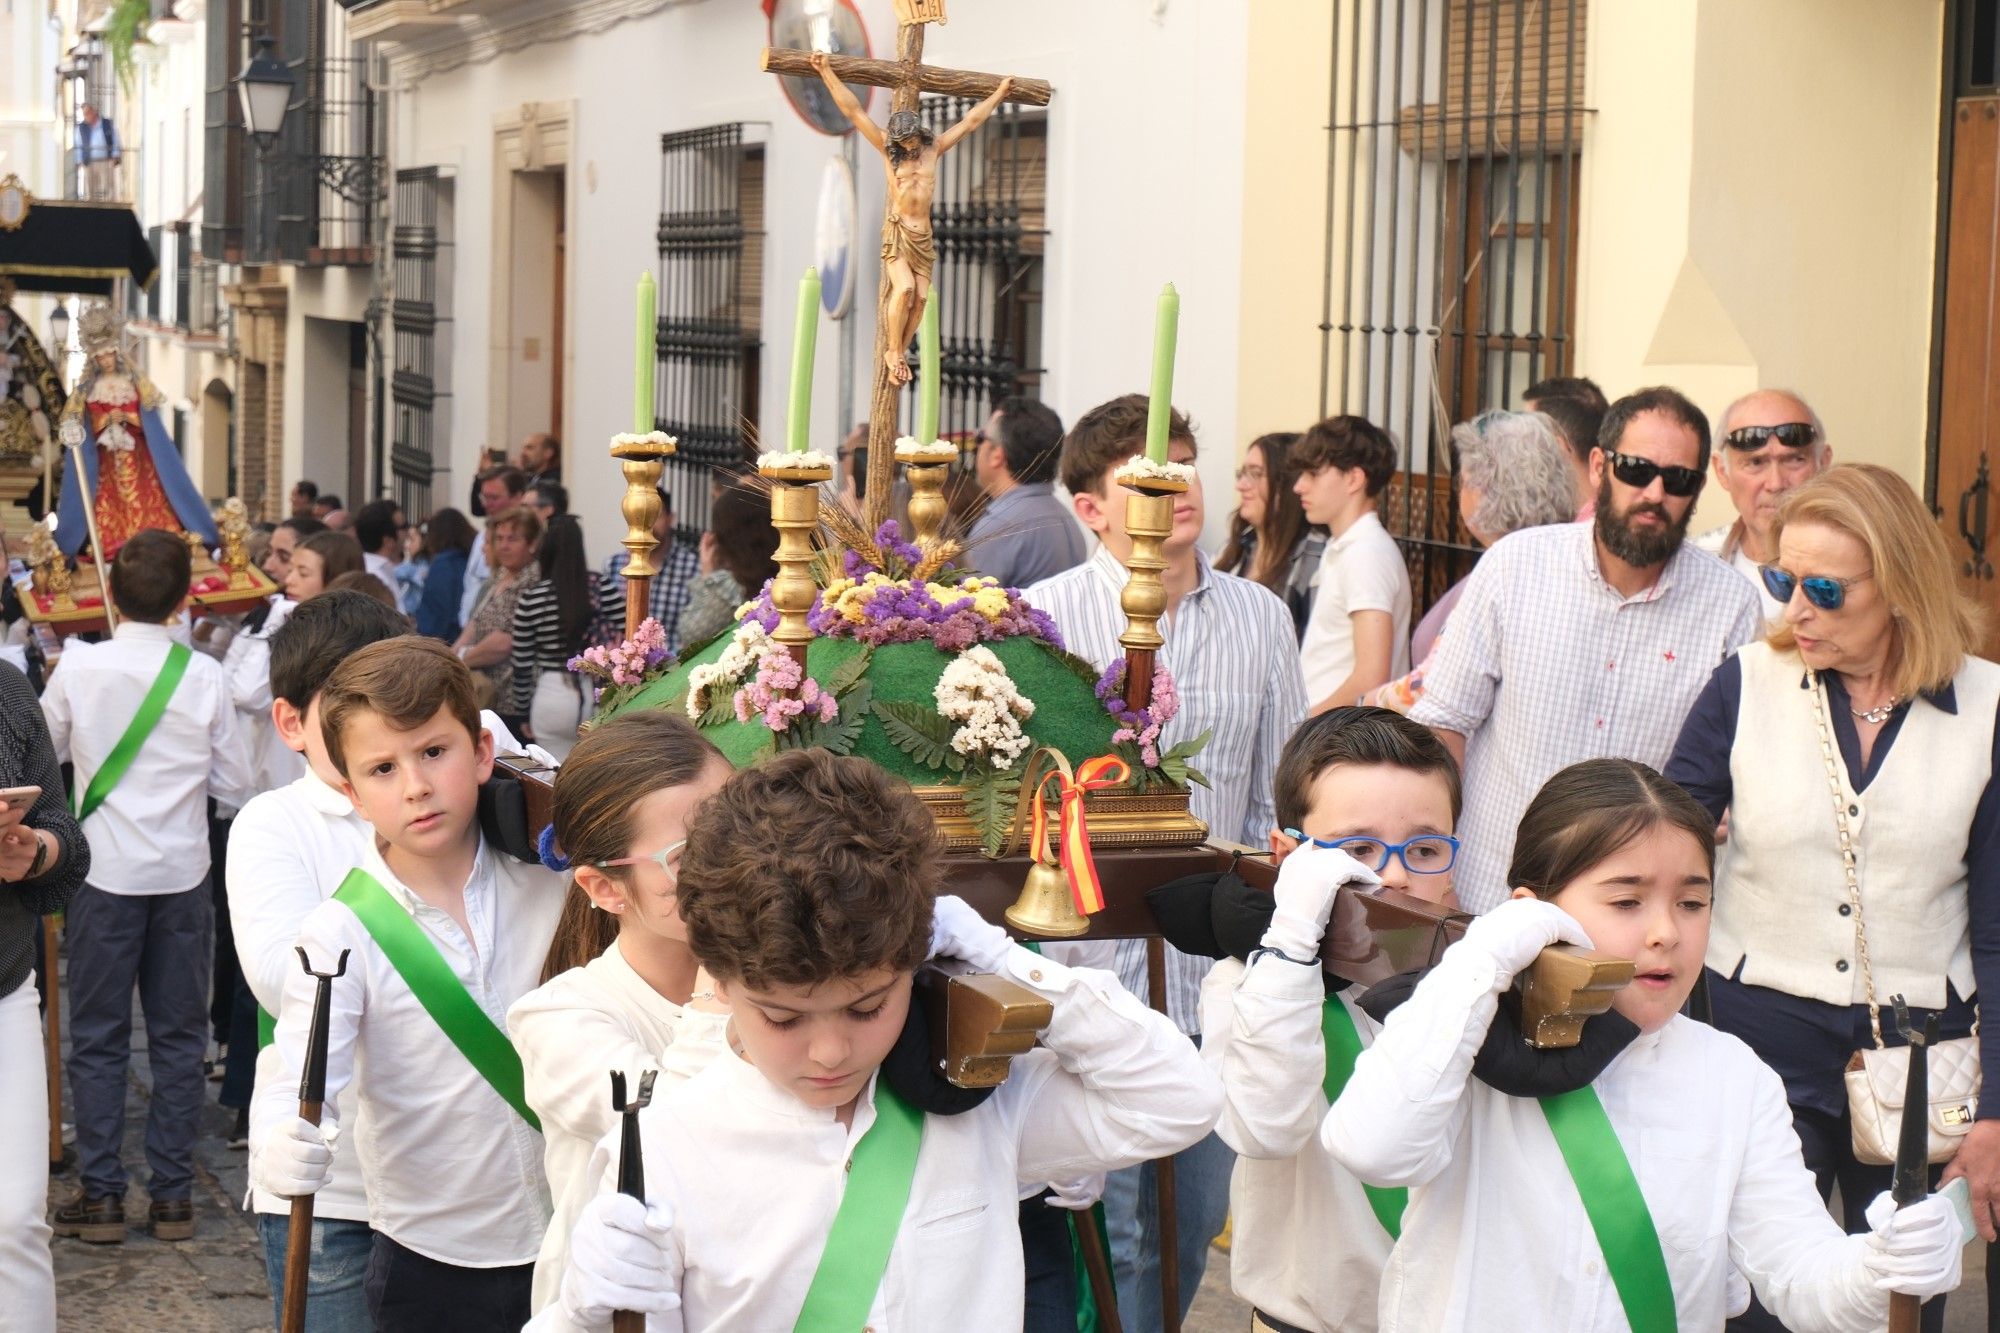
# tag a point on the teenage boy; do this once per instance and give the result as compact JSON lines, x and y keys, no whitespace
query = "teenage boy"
{"x":435,"y":922}
{"x":1234,"y":658}
{"x":786,"y":1185}
{"x":289,"y":849}
{"x":1309,"y":1242}
{"x":152,"y":732}
{"x":1359,"y":635}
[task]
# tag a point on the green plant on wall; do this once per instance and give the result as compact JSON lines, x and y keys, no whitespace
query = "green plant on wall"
{"x":122,"y":33}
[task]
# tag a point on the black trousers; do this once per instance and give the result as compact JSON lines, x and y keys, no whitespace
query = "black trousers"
{"x":408,"y":1293}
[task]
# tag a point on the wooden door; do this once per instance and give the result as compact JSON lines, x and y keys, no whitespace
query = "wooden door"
{"x":1969,"y":406}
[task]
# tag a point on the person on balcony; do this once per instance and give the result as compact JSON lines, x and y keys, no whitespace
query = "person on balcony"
{"x":98,"y":154}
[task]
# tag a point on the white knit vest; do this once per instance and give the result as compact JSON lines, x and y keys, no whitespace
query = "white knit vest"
{"x":1781,"y":894}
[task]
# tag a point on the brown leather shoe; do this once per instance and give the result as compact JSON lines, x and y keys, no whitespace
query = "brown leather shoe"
{"x":93,"y":1219}
{"x":170,"y":1219}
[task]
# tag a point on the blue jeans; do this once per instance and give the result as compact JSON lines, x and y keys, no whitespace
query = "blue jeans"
{"x":335,"y":1300}
{"x":1131,"y":1217}
{"x":162,"y":944}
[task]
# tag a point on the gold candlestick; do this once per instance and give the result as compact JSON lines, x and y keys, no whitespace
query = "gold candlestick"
{"x":235,"y":531}
{"x":927,"y":505}
{"x":642,"y":458}
{"x":1149,"y":518}
{"x":795,"y":514}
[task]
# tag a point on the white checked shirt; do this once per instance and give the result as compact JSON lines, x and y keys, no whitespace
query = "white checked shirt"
{"x":1547,"y":665}
{"x":1233,"y":653}
{"x":151,"y":834}
{"x":452,"y":1171}
{"x":680,"y":565}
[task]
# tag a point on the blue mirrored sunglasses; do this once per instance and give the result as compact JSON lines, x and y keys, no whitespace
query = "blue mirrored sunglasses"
{"x":1430,"y":854}
{"x":1822,"y":590}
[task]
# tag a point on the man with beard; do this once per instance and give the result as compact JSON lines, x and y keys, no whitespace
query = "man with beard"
{"x":1582,"y":640}
{"x":1772,"y":444}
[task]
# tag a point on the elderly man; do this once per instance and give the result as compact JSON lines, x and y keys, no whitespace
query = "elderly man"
{"x":98,"y":154}
{"x":1772,"y":444}
{"x":541,"y":457}
{"x":1583,"y":640}
{"x":1024,"y":535}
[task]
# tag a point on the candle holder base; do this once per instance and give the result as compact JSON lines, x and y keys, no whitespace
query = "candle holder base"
{"x":927,"y":502}
{"x":642,"y":458}
{"x":795,"y":514}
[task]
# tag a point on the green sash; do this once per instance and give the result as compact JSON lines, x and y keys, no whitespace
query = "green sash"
{"x":879,"y":1177}
{"x":267,"y":1027}
{"x":437,"y":988}
{"x":151,"y":708}
{"x":1616,"y":1208}
{"x":1343,"y":1048}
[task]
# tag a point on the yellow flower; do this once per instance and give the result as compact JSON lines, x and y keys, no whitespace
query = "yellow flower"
{"x":990,"y":602}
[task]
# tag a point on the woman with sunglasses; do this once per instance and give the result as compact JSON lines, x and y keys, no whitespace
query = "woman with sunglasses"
{"x":1864,"y":720}
{"x":620,"y":989}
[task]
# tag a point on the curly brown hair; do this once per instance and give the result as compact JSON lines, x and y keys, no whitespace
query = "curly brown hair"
{"x":809,"y":868}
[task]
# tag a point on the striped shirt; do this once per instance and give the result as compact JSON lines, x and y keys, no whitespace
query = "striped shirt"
{"x":538,"y":640}
{"x":1547,"y":665}
{"x":1231,"y":650}
{"x":679,"y":565}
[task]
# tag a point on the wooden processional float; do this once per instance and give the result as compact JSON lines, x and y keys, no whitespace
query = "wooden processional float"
{"x":1139,"y":836}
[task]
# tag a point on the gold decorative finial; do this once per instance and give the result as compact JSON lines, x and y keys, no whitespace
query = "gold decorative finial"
{"x":642,"y":458}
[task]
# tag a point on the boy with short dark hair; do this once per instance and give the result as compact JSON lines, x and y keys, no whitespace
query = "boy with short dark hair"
{"x":152,"y":732}
{"x":1358,"y":634}
{"x":1364,"y":795}
{"x":444,"y":933}
{"x":807,"y":890}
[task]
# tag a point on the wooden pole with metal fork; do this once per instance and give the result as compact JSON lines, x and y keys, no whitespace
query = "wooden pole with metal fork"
{"x":312,"y":1098}
{"x":631,"y":1167}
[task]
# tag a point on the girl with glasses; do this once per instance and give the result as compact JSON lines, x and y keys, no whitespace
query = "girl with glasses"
{"x":1270,"y":541}
{"x":621,"y":991}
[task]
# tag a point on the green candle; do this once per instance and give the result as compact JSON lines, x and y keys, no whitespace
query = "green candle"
{"x":642,"y":357}
{"x":1161,"y":409}
{"x":927,"y":352}
{"x":799,"y":425}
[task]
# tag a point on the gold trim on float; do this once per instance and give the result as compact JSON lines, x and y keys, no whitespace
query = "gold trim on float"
{"x":1117,"y":819}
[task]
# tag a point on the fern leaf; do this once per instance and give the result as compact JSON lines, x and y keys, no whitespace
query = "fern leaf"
{"x":919,"y":732}
{"x":990,"y":801}
{"x":849,"y":673}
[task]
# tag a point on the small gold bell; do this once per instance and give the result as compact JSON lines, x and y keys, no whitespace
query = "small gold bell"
{"x":1045,"y":907}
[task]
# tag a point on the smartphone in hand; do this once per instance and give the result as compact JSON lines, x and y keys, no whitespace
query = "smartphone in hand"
{"x":15,"y":803}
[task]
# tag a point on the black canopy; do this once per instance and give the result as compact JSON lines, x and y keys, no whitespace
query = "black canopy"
{"x":65,"y":246}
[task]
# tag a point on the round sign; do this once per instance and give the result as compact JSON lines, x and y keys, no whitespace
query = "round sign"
{"x":833,"y":238}
{"x":833,"y":26}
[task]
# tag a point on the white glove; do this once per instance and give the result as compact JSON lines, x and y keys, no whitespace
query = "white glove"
{"x":959,"y":932}
{"x":621,"y":1257}
{"x":1512,"y":934}
{"x":1307,"y":882}
{"x":1916,"y":1251}
{"x":294,"y":1157}
{"x":1076,"y":1195}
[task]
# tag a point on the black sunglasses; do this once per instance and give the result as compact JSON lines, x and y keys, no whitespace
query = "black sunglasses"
{"x":1793,"y":435}
{"x":1638,"y":473}
{"x":1822,"y":590}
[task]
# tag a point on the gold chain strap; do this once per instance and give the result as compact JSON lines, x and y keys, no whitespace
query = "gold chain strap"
{"x":1847,"y":861}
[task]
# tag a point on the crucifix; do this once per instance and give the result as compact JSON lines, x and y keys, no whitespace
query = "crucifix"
{"x":910,"y":155}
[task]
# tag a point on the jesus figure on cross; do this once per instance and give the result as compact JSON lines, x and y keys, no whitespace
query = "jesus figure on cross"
{"x":910,"y":156}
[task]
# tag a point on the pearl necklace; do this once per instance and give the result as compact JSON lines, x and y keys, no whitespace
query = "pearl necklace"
{"x":1879,"y":715}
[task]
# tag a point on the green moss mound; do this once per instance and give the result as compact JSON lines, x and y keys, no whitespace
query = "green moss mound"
{"x":1067,"y":715}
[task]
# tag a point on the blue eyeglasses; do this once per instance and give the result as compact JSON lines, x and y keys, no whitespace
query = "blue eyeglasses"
{"x":1822,"y":590}
{"x":1430,"y":854}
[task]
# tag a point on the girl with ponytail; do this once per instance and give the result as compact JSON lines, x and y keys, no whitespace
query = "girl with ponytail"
{"x":620,"y":989}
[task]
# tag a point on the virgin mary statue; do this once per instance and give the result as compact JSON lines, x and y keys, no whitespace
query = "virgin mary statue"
{"x":131,"y":470}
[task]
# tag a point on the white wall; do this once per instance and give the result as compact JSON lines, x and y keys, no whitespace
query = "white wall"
{"x":1146,"y":186}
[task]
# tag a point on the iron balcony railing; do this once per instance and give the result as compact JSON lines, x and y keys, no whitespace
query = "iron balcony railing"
{"x":312,"y":196}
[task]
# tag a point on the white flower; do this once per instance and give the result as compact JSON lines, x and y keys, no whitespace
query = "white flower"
{"x":657,"y":439}
{"x":907,"y":450}
{"x":784,"y":460}
{"x":975,"y":691}
{"x":1141,"y":468}
{"x":738,"y":660}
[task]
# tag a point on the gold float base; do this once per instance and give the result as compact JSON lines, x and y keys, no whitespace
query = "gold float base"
{"x":1117,"y":819}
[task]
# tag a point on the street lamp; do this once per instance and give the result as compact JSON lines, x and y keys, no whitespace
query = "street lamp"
{"x":265,"y":85}
{"x":59,"y":326}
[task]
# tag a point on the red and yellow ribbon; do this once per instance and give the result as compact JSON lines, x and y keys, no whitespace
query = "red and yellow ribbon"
{"x":1072,"y":834}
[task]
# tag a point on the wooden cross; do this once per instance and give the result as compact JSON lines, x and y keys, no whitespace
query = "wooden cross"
{"x":905,"y":77}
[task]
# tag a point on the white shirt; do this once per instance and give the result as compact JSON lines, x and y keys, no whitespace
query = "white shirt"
{"x":247,"y":664}
{"x":476,"y":575}
{"x":1726,"y":544}
{"x":1233,"y":654}
{"x":571,"y":1033}
{"x":1306,"y":1246}
{"x":452,"y":1171}
{"x":1361,"y":570}
{"x":151,"y":833}
{"x":754,"y":1176}
{"x":383,"y":568}
{"x":1495,"y":1236}
{"x":1547,"y":665}
{"x":289,"y":850}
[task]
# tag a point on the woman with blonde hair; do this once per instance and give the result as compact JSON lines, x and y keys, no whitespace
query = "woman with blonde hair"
{"x":1865,"y":721}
